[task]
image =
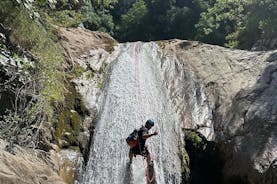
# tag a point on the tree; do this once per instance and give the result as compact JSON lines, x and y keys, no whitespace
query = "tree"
{"x":131,"y":26}
{"x":263,"y":16}
{"x":179,"y":23}
{"x":182,"y":17}
{"x":98,"y":15}
{"x":223,"y":22}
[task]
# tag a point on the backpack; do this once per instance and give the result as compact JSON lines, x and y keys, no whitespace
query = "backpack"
{"x":132,"y":139}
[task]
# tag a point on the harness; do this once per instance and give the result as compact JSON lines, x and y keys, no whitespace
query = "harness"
{"x":140,"y":143}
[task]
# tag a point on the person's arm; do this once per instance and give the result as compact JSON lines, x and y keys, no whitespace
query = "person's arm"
{"x":149,"y":135}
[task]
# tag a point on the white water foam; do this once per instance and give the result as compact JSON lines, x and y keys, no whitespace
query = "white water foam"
{"x":134,"y":94}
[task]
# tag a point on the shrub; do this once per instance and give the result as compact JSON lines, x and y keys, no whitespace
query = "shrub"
{"x":65,"y":18}
{"x":37,"y":97}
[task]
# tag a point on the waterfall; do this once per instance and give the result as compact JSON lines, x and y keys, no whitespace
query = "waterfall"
{"x":135,"y":93}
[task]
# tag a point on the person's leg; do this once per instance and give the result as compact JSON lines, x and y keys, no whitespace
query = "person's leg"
{"x":131,"y":155}
{"x":147,"y":154}
{"x":148,"y":159}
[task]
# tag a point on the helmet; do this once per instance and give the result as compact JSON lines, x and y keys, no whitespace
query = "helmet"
{"x":150,"y":122}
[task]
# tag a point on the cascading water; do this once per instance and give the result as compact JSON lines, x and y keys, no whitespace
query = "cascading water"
{"x":134,"y":94}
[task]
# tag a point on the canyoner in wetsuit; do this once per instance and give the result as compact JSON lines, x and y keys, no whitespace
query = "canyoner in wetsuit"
{"x":140,"y":148}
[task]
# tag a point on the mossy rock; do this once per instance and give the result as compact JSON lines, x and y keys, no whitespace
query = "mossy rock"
{"x":161,"y":44}
{"x":68,"y":123}
{"x":79,"y":71}
{"x":185,"y":169}
{"x":194,"y":137}
{"x":205,"y":159}
{"x":110,"y":46}
{"x":68,"y":128}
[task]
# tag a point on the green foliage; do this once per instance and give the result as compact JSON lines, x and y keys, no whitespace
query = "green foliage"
{"x":135,"y":14}
{"x":161,"y":44}
{"x":177,"y":27}
{"x":38,"y":40}
{"x":100,"y":85}
{"x":194,"y":138}
{"x":233,"y":23}
{"x":98,"y":15}
{"x":7,"y":11}
{"x":65,"y":18}
{"x":222,"y":22}
{"x":104,"y":3}
{"x":42,"y":43}
{"x":63,"y":4}
{"x":238,"y":24}
{"x":89,"y":75}
{"x":132,"y":22}
{"x":262,"y":18}
{"x":42,"y":1}
{"x":159,"y":19}
{"x":8,"y":124}
{"x":78,"y":70}
{"x":48,"y":98}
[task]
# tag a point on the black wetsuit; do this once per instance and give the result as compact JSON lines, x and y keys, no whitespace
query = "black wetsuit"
{"x":140,"y":148}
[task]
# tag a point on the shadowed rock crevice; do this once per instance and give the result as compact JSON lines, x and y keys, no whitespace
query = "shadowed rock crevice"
{"x":206,"y":161}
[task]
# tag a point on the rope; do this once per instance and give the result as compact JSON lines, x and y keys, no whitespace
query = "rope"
{"x":142,"y":102}
{"x":148,"y":180}
{"x":146,"y":108}
{"x":146,"y":105}
{"x":137,"y":72}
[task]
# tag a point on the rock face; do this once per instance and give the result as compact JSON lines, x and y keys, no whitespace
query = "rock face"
{"x":27,"y":166}
{"x":230,"y":96}
{"x":84,"y":50}
{"x":90,"y":52}
{"x":78,"y":43}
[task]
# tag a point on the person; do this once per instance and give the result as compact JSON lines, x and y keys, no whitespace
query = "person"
{"x":143,"y":135}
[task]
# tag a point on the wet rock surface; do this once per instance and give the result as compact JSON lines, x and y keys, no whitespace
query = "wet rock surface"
{"x":230,"y":97}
